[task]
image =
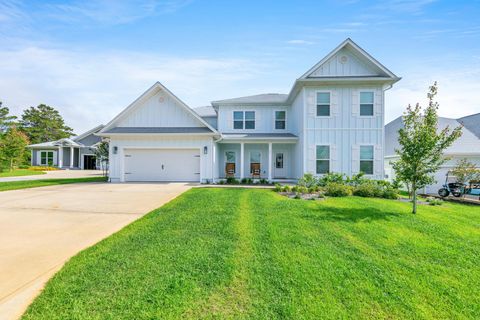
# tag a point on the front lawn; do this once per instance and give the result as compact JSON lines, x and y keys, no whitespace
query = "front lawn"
{"x":20,"y":172}
{"x":253,"y":254}
{"x":25,"y":184}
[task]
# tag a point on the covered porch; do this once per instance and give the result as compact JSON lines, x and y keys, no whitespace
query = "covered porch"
{"x":257,"y":157}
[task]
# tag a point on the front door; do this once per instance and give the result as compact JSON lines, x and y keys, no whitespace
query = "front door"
{"x":279,"y":170}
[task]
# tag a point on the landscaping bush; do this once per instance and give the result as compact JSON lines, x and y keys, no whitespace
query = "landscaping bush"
{"x":366,"y":190}
{"x":331,"y":177}
{"x":246,"y":181}
{"x":434,"y":202}
{"x":232,"y":180}
{"x":335,"y":189}
{"x":263,"y":181}
{"x":24,"y":166}
{"x":308,"y":180}
{"x":287,"y":189}
{"x":390,"y":193}
{"x":295,"y":189}
{"x":313,"y":189}
{"x":41,"y":168}
{"x":302,"y":189}
{"x":278,"y":187}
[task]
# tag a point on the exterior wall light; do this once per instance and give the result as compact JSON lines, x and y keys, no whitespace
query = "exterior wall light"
{"x":205,"y":150}
{"x":115,"y":150}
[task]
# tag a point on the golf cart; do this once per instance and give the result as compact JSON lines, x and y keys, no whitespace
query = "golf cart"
{"x":451,"y":186}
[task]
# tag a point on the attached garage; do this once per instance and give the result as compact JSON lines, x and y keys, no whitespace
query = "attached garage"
{"x":162,"y":165}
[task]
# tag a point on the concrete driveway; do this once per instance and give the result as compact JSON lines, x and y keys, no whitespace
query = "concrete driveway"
{"x":41,"y":228}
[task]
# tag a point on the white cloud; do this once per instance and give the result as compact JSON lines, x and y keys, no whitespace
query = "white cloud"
{"x":300,"y":42}
{"x":458,"y":94}
{"x":89,"y":89}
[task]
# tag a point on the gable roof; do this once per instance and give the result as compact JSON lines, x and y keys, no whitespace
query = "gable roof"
{"x":206,"y":111}
{"x":89,"y":132}
{"x":468,"y":142}
{"x":65,"y":142}
{"x":137,"y":102}
{"x":258,"y":99}
{"x":349,"y":44}
{"x":472,"y":123}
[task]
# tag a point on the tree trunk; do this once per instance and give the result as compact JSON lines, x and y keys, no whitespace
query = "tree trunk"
{"x":11,"y":164}
{"x":414,"y":190}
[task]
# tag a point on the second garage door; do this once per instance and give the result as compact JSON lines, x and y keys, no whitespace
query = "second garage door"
{"x":162,"y":165}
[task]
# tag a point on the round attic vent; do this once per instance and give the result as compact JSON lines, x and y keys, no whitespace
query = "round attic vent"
{"x":343,"y":59}
{"x":161,"y":99}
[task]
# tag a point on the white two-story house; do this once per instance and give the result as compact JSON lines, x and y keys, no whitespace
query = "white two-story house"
{"x":332,"y":120}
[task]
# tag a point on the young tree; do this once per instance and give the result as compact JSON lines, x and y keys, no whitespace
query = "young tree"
{"x":12,"y":147}
{"x":6,"y":120}
{"x":466,"y":171}
{"x":422,"y":146}
{"x":44,"y":123}
{"x":102,"y":153}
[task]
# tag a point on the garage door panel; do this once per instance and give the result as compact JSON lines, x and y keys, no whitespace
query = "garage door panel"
{"x":162,"y":165}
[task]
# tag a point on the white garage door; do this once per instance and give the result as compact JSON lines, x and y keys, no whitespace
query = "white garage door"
{"x":162,"y":165}
{"x":440,"y":177}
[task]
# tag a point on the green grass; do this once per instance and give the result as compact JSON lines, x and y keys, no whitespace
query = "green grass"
{"x":252,"y":254}
{"x":14,"y":185}
{"x":20,"y":172}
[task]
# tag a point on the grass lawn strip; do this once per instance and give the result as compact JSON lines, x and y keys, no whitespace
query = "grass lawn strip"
{"x":20,"y":172}
{"x":252,"y":254}
{"x":15,"y":185}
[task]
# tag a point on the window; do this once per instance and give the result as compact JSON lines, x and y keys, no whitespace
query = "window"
{"x":230,"y":156}
{"x":323,"y":104}
{"x":255,"y":157}
{"x":366,"y":159}
{"x":366,"y":103}
{"x":46,"y":158}
{"x":280,"y":120}
{"x":243,"y":119}
{"x":279,"y":161}
{"x":249,"y":119}
{"x":237,"y":119}
{"x":323,"y":159}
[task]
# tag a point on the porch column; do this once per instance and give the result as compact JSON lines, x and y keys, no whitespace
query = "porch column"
{"x":242,"y":148}
{"x":71,"y":157}
{"x":60,"y":157}
{"x":270,"y":161}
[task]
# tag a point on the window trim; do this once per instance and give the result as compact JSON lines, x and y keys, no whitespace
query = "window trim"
{"x":244,"y":119}
{"x":46,"y":157}
{"x":275,"y":119}
{"x":360,"y":103}
{"x":316,"y":104}
{"x":329,"y":157}
{"x":360,"y":159}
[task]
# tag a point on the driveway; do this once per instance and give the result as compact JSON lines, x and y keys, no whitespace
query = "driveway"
{"x":41,"y":228}
{"x":57,"y":174}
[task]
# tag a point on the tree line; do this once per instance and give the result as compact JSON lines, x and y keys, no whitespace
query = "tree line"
{"x":36,"y":124}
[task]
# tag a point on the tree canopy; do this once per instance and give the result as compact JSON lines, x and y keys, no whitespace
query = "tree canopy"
{"x":6,"y":120}
{"x":12,"y":148}
{"x":44,"y":123}
{"x":422,"y":145}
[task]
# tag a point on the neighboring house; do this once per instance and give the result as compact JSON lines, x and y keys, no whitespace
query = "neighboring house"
{"x":467,"y":146}
{"x":331,"y":121}
{"x":76,"y":153}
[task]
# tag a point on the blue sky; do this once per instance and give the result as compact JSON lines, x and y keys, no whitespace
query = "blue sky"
{"x":90,"y":59}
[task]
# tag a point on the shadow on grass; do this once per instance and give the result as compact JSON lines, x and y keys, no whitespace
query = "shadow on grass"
{"x":368,"y":214}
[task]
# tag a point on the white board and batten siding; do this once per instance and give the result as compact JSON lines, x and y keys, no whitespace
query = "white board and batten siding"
{"x":344,"y":130}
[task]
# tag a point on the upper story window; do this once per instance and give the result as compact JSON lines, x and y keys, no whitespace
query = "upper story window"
{"x":366,"y":159}
{"x":243,"y":119}
{"x":366,"y":103}
{"x":323,"y":159}
{"x":280,"y":120}
{"x":323,"y":104}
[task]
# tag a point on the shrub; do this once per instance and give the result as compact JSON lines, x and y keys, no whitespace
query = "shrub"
{"x":277,"y":188}
{"x":297,"y":196}
{"x":313,"y":189}
{"x":434,"y":202}
{"x":23,"y":166}
{"x":335,"y":189}
{"x":302,"y":189}
{"x":221,"y":181}
{"x":390,"y":193}
{"x":263,"y":181}
{"x":243,"y":181}
{"x":331,"y":177}
{"x":294,"y":188}
{"x":308,"y":180}
{"x":365,"y":190}
{"x":232,"y":180}
{"x":40,"y":168}
{"x":287,"y":189}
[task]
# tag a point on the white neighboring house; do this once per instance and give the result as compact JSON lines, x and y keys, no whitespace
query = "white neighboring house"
{"x":75,"y":153}
{"x":467,"y":146}
{"x":331,"y":121}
